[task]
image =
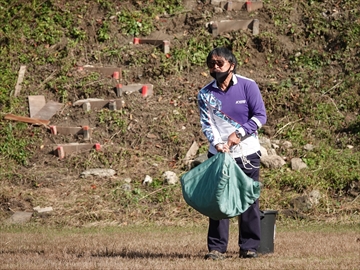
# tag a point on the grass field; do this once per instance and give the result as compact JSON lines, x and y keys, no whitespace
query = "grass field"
{"x":297,"y":246}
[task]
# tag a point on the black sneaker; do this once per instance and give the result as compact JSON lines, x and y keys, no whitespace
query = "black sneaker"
{"x":214,"y":255}
{"x":248,"y":254}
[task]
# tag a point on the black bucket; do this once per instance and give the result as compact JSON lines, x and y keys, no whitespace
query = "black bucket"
{"x":268,"y":230}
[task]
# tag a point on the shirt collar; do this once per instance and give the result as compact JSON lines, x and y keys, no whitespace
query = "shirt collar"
{"x":234,"y":79}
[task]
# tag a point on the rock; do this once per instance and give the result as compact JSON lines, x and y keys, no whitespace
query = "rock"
{"x":98,"y":172}
{"x":265,"y":142}
{"x":82,"y":101}
{"x":287,"y":144}
{"x":301,"y":203}
{"x":126,"y":187}
{"x":275,"y":146}
{"x":272,"y":161}
{"x":191,"y":153}
{"x":189,"y":4}
{"x":200,"y":159}
{"x":148,"y":180}
{"x":218,"y":10}
{"x":314,"y":197}
{"x":307,"y":201}
{"x":269,"y":131}
{"x":272,"y":152}
{"x":308,"y":147}
{"x":19,"y":217}
{"x":43,"y":210}
{"x":290,"y":213}
{"x":263,"y":151}
{"x":127,"y":180}
{"x":297,"y":164}
{"x":170,"y":177}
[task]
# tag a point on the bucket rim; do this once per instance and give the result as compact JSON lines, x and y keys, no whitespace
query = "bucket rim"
{"x":265,"y":212}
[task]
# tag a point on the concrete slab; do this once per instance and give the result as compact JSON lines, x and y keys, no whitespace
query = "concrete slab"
{"x":222,"y":3}
{"x":216,"y":2}
{"x":133,"y":88}
{"x":63,"y":150}
{"x":36,"y":103}
{"x":252,"y":6}
{"x":98,"y":172}
{"x":82,"y":101}
{"x":102,"y":104}
{"x":55,"y":130}
{"x":19,"y":217}
{"x":156,"y":42}
{"x":219,"y":27}
{"x":49,"y":110}
{"x":238,"y":5}
{"x":233,"y":5}
{"x":105,"y":71}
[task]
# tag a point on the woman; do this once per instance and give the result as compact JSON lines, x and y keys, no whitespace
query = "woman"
{"x":231,"y":112}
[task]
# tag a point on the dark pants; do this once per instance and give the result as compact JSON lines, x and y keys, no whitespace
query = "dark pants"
{"x":249,"y":221}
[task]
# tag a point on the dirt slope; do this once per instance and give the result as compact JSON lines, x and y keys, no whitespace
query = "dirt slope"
{"x":147,"y":136}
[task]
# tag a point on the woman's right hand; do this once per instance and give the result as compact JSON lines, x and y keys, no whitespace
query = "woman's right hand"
{"x":222,"y":147}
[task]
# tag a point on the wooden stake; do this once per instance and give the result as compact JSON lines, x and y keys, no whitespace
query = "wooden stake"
{"x":27,"y":119}
{"x":20,"y":80}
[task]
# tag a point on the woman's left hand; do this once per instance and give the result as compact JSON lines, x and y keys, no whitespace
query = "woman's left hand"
{"x":233,"y":139}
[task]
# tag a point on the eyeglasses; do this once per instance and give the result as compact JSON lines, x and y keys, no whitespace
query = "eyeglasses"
{"x":219,"y":63}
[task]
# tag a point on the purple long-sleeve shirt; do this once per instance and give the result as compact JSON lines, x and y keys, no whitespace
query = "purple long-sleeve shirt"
{"x":241,"y":108}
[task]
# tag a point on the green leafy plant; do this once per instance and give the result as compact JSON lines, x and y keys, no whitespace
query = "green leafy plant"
{"x":14,"y":147}
{"x":103,"y":32}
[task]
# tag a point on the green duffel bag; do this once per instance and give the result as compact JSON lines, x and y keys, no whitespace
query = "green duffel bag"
{"x":218,"y":188}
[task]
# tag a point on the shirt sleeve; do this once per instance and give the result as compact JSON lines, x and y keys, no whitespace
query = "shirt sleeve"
{"x":257,"y":111}
{"x":207,"y":122}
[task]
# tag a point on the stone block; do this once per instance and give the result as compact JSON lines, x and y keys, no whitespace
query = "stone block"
{"x":105,"y":71}
{"x":67,"y":149}
{"x":138,"y":88}
{"x":238,"y":5}
{"x":165,"y":44}
{"x":255,"y":27}
{"x":48,"y":111}
{"x":118,"y":89}
{"x":233,"y":5}
{"x":252,"y":6}
{"x":219,"y":27}
{"x":36,"y":103}
{"x":112,"y":105}
{"x":85,"y":131}
{"x":102,"y":104}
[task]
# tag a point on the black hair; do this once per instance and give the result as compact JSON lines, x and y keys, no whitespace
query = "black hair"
{"x":225,"y":53}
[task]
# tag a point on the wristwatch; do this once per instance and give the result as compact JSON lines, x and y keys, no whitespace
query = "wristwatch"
{"x":238,"y":134}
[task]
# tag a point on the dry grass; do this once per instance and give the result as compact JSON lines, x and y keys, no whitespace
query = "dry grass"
{"x":156,"y":247}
